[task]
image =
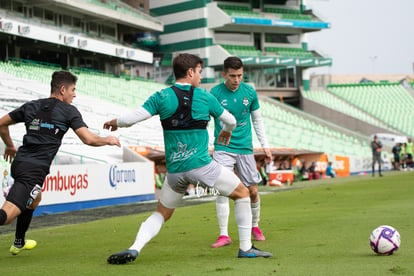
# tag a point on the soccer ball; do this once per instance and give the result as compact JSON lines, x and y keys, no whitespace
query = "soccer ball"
{"x":385,"y":240}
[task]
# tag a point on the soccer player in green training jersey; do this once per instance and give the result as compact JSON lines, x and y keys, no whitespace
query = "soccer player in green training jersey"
{"x":240,"y":99}
{"x":184,"y":111}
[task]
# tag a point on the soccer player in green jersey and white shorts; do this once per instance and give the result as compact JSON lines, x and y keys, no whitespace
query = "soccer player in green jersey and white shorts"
{"x":184,"y":111}
{"x":241,"y":100}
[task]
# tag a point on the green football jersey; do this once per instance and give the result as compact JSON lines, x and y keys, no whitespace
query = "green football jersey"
{"x":185,"y":149}
{"x":409,"y":148}
{"x":240,"y":103}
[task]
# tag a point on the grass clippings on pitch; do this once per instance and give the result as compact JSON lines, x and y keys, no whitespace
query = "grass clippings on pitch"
{"x":320,"y":228}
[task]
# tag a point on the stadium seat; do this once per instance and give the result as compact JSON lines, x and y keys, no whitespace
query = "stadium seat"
{"x":388,"y":102}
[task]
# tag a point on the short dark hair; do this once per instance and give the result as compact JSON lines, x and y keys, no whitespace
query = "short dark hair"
{"x":183,"y":62}
{"x":233,"y":63}
{"x":60,"y":78}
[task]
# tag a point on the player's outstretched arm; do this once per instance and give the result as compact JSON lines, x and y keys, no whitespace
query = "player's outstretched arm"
{"x":91,"y":139}
{"x":112,"y":125}
{"x":128,"y":119}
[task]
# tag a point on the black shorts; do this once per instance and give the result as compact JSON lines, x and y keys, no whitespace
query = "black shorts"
{"x":376,"y":158}
{"x":26,"y":177}
{"x":397,"y":158}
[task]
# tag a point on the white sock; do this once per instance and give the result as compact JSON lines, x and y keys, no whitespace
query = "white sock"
{"x":255,"y":213}
{"x":223,"y":212}
{"x":243,"y":214}
{"x":148,"y":230}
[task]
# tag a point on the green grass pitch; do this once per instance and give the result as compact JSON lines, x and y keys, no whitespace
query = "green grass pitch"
{"x":317,"y":228}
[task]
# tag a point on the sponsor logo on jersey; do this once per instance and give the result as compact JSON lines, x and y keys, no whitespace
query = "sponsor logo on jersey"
{"x":182,"y":153}
{"x":35,"y":124}
{"x":47,"y":125}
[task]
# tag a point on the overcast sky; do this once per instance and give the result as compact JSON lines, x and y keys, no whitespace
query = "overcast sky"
{"x":366,"y":36}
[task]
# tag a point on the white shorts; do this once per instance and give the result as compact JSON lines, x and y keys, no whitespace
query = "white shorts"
{"x":244,"y":164}
{"x":211,"y":175}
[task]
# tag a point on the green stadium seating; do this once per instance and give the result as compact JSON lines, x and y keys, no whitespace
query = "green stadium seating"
{"x":289,"y":14}
{"x":103,"y":97}
{"x":289,"y":52}
{"x":329,"y":100}
{"x":388,"y":102}
{"x":293,"y":130}
{"x":284,"y":127}
{"x":129,"y":93}
{"x":241,"y":50}
{"x":235,"y":10}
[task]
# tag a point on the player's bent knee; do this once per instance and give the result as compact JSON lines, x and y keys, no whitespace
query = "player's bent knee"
{"x":253,"y":193}
{"x":36,"y":202}
{"x":11,"y":212}
{"x":167,"y":215}
{"x":254,"y":197}
{"x":240,"y":192}
{"x":164,"y":211}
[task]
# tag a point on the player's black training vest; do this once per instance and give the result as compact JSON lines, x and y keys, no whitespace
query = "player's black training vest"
{"x":182,"y":118}
{"x":42,"y":123}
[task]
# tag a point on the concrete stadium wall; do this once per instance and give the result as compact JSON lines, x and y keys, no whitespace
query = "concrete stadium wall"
{"x":131,"y":156}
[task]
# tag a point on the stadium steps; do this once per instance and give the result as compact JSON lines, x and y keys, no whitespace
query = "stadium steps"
{"x":285,"y":126}
{"x":338,"y":104}
{"x":389,"y":102}
{"x":99,"y":98}
{"x":291,"y":128}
